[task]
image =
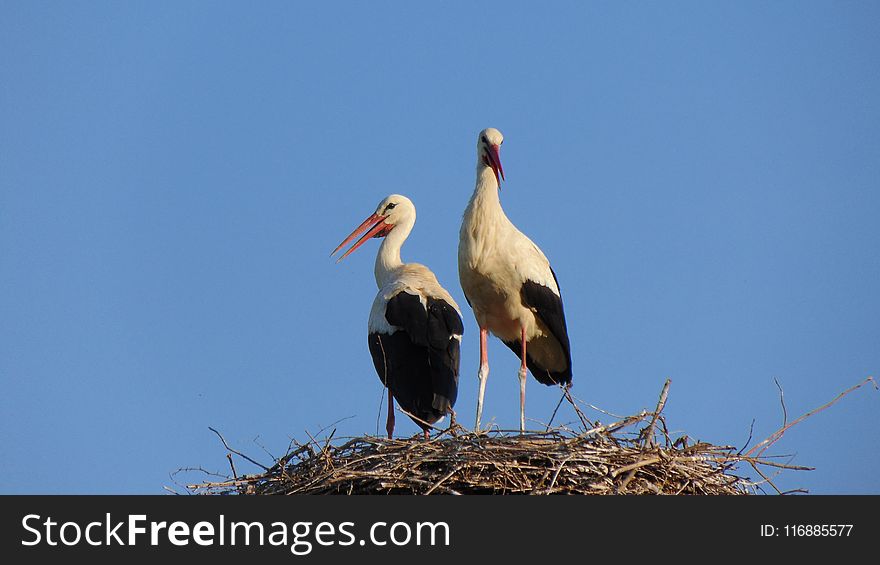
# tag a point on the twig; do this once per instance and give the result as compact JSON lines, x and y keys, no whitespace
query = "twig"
{"x":782,"y":401}
{"x":558,"y":470}
{"x":240,"y":454}
{"x":417,"y":419}
{"x":263,"y":447}
{"x":333,"y":424}
{"x":584,"y":421}
{"x":232,"y":465}
{"x":765,"y":477}
{"x":553,"y":415}
{"x":748,"y":439}
{"x":441,"y":481}
{"x":379,"y":409}
{"x":775,"y":436}
{"x":634,"y":466}
{"x":387,"y":385}
{"x":661,"y":403}
{"x":795,"y":490}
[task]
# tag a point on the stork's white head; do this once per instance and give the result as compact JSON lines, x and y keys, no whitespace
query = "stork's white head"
{"x":394,"y":210}
{"x":488,"y":146}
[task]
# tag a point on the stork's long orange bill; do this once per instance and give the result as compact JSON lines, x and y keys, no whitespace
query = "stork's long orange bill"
{"x":495,"y":163}
{"x":375,"y":226}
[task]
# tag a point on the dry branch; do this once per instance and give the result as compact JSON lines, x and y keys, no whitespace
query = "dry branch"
{"x":777,"y":435}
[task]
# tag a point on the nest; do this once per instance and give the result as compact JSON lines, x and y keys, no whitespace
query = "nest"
{"x":635,"y":455}
{"x":555,"y":462}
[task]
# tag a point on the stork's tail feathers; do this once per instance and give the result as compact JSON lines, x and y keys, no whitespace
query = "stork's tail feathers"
{"x":542,"y":375}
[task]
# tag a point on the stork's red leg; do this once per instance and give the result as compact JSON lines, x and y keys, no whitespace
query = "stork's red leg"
{"x":389,"y":424}
{"x":522,"y":384}
{"x":483,"y":374}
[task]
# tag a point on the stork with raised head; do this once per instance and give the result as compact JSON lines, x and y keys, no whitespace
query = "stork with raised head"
{"x":509,"y":284}
{"x":415,"y":326}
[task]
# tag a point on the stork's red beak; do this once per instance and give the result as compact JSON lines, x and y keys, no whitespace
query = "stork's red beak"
{"x":494,"y":161}
{"x":375,"y":226}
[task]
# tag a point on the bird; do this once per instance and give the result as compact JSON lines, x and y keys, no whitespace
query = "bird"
{"x":509,"y":284}
{"x":415,"y":326}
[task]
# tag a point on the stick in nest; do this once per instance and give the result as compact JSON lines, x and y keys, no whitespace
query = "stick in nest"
{"x":777,"y":435}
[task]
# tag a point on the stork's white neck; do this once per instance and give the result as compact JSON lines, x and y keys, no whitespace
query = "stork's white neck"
{"x":485,"y":197}
{"x":388,"y":258}
{"x":486,"y":179}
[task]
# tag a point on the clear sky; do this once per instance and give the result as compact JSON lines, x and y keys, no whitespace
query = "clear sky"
{"x":703,"y":177}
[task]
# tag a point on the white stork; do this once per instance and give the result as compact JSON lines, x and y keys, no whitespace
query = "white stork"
{"x":509,"y":284}
{"x":415,"y":326}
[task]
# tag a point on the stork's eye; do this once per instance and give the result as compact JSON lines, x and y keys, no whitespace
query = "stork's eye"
{"x":390,"y":206}
{"x":484,"y":140}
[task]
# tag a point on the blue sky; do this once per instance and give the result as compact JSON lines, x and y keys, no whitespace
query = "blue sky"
{"x":173,"y":175}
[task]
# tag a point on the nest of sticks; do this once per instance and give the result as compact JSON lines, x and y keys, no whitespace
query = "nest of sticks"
{"x":635,"y":455}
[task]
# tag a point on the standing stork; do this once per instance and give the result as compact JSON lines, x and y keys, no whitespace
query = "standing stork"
{"x":415,"y":326}
{"x":509,"y":284}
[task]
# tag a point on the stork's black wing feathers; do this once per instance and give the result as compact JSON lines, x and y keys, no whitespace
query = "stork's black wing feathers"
{"x":548,"y":307}
{"x":443,"y":349}
{"x":420,"y":360}
{"x":405,"y":310}
{"x":443,"y":322}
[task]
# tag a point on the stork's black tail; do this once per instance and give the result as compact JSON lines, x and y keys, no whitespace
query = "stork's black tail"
{"x":542,"y":375}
